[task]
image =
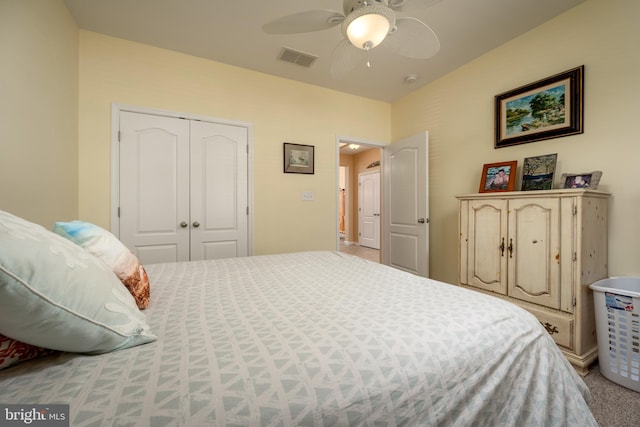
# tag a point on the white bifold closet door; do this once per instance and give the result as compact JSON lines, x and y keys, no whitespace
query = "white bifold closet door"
{"x":183,"y":188}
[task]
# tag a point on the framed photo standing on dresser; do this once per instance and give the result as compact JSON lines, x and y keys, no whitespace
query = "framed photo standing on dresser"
{"x":581,"y":180}
{"x":498,"y":176}
{"x":538,"y":171}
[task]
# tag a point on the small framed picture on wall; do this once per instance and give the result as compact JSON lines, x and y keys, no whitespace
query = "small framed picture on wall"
{"x":298,"y":158}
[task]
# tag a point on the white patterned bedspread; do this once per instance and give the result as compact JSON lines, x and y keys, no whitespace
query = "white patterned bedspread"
{"x":314,"y":339}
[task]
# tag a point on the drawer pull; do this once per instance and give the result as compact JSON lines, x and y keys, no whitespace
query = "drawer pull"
{"x":550,"y":328}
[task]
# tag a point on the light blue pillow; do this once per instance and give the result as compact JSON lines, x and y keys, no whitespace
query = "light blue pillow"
{"x":54,"y":294}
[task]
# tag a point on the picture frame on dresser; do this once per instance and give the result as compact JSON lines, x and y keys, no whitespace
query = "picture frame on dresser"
{"x":581,"y":180}
{"x":538,"y":172}
{"x":500,"y":176}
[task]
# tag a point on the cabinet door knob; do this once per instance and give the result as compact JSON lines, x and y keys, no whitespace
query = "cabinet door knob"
{"x":196,"y":224}
{"x":183,"y":224}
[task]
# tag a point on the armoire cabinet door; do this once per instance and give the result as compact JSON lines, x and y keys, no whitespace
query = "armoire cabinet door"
{"x":487,"y":253}
{"x":534,"y":251}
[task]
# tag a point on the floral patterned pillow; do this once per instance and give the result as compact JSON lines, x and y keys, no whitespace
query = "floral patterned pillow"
{"x":106,"y":247}
{"x":13,"y":352}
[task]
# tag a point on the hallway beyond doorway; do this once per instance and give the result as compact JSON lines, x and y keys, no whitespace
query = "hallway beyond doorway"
{"x":360,"y":251}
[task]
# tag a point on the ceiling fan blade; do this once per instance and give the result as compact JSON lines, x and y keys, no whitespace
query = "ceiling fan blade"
{"x":346,"y":57}
{"x":413,"y":38}
{"x":304,"y":22}
{"x":411,"y":5}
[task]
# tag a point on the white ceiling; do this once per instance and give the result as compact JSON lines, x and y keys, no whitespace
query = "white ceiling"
{"x":231,"y":32}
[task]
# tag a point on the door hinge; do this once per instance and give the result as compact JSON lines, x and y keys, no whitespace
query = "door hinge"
{"x":574,"y":302}
{"x":118,"y":211}
{"x":575,"y":257}
{"x":247,"y":210}
{"x":118,"y":136}
{"x":575,"y":210}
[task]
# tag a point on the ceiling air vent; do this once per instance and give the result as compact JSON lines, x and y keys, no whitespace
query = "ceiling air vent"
{"x":297,"y":57}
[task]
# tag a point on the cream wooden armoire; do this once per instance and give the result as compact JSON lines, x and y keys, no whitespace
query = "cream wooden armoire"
{"x":540,"y":250}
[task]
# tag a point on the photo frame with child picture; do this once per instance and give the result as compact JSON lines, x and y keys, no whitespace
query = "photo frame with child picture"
{"x":499,"y":176}
{"x":581,"y":180}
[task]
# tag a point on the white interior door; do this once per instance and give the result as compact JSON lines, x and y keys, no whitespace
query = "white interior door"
{"x":183,"y":188}
{"x":218,"y":190}
{"x":406,"y":205}
{"x":369,"y":209}
{"x":154,"y":186}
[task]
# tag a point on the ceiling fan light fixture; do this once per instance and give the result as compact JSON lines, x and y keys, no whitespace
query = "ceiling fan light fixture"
{"x":368,"y":26}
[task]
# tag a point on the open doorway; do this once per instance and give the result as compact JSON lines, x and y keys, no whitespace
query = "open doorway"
{"x":354,"y":159}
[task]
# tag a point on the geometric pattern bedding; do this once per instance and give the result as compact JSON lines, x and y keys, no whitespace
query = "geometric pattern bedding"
{"x":314,"y":339}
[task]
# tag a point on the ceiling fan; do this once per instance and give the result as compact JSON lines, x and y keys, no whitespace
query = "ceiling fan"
{"x":366,"y":24}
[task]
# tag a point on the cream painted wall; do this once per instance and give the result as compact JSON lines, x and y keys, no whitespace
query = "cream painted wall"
{"x":42,"y":93}
{"x":457,"y":110}
{"x":38,"y":110}
{"x":117,"y":71}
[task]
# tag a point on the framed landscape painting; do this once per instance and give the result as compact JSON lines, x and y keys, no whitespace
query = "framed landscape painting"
{"x":538,"y":171}
{"x":549,"y":108}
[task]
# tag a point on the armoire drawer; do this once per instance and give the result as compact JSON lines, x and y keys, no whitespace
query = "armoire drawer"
{"x":559,"y":327}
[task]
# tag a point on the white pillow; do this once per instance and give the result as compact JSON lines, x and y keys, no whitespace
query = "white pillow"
{"x":54,"y":294}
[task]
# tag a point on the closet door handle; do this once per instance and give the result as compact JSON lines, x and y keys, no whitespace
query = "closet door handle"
{"x":196,"y":224}
{"x":502,"y":247}
{"x":183,"y":224}
{"x":510,"y":248}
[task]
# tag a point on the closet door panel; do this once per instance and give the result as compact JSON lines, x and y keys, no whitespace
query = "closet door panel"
{"x":218,"y":190}
{"x":154,"y":186}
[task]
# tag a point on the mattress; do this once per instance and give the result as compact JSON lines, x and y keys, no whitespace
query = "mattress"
{"x":314,"y":339}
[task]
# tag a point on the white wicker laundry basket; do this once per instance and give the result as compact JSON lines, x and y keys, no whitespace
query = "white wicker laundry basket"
{"x":617,"y":307}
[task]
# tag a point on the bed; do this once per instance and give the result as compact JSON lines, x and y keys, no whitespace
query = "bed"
{"x":313,"y":339}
